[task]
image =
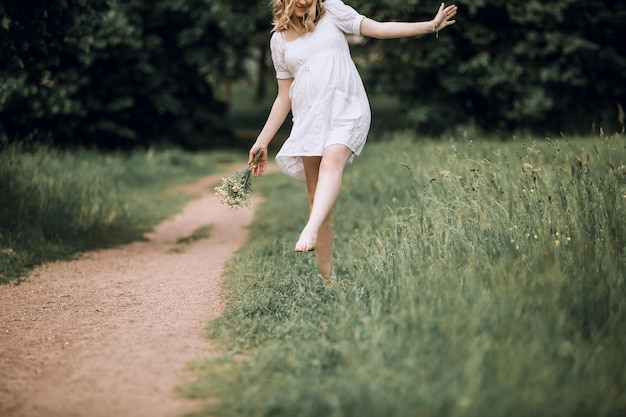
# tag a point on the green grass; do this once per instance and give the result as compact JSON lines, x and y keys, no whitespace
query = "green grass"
{"x":477,"y":278}
{"x":56,"y":204}
{"x":200,"y":233}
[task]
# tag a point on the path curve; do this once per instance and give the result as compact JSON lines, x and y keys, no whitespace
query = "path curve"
{"x":110,"y":334}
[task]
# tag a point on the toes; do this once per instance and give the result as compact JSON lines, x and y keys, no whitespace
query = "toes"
{"x":304,"y":246}
{"x":306,"y":243}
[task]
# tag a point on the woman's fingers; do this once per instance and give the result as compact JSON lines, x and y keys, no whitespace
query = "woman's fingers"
{"x":440,"y":14}
{"x":259,"y":168}
{"x":445,"y":14}
{"x":450,"y":11}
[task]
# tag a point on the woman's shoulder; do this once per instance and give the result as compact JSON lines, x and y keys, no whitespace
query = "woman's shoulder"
{"x":346,"y":17}
{"x":338,"y":8}
{"x":277,"y":37}
{"x":277,"y":42}
{"x":334,"y":4}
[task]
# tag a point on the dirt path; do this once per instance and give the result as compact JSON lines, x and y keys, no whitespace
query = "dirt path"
{"x":110,"y":334}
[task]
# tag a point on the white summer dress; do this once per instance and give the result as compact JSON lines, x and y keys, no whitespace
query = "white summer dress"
{"x":328,"y":101}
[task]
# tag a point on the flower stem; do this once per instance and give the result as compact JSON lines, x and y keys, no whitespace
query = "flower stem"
{"x":257,"y":156}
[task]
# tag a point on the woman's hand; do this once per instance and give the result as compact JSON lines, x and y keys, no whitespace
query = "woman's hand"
{"x":442,"y":19}
{"x":261,"y":165}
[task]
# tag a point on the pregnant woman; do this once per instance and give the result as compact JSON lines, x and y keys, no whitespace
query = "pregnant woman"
{"x":319,"y":83}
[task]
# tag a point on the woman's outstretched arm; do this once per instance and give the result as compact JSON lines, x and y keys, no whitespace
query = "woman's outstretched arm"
{"x":390,"y":30}
{"x":278,"y":114}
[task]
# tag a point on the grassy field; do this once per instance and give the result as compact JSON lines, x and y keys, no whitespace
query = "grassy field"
{"x":57,"y":204}
{"x":477,"y":278}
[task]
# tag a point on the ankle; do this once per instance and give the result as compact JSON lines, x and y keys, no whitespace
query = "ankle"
{"x":329,"y":278}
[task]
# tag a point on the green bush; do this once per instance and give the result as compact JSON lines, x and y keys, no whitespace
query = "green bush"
{"x":118,"y":74}
{"x":124,"y":74}
{"x":506,"y":65}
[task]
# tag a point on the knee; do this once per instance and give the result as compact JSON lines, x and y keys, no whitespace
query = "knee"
{"x":333,"y":164}
{"x":335,"y":156}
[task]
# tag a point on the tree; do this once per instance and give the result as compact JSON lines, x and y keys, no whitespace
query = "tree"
{"x":119,"y":74}
{"x":39,"y":52}
{"x":548,"y":66}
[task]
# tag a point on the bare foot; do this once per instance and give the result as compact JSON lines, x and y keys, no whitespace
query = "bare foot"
{"x":306,"y":242}
{"x":330,"y":280}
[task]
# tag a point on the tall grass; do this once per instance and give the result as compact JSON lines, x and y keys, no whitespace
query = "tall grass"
{"x":476,"y":279}
{"x":55,"y":203}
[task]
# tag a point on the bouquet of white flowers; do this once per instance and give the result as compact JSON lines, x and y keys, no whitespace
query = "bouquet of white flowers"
{"x":234,"y":191}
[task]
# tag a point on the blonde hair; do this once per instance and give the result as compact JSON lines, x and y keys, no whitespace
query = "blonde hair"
{"x":284,"y":17}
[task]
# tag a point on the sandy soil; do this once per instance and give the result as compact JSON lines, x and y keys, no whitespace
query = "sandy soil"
{"x":110,"y":334}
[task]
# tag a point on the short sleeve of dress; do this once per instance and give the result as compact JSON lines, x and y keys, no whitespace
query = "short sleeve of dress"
{"x":277,"y":48}
{"x":346,"y":18}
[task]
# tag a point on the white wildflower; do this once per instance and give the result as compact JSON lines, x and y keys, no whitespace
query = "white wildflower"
{"x":235,"y":190}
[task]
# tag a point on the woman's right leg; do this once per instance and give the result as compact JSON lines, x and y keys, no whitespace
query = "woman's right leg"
{"x":324,"y":177}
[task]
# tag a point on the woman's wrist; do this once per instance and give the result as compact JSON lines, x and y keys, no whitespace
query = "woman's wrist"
{"x":435,"y":27}
{"x":262,"y":143}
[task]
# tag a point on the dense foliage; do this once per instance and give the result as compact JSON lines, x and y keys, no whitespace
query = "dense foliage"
{"x":118,"y":73}
{"x":126,"y":73}
{"x":512,"y":64}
